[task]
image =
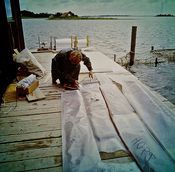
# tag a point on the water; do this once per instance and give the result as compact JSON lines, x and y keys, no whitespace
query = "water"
{"x":114,"y":36}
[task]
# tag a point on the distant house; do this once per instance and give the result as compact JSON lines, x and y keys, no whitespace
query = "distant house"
{"x":68,"y":14}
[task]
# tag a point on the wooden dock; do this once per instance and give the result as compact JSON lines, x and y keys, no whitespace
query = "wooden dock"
{"x":31,"y":132}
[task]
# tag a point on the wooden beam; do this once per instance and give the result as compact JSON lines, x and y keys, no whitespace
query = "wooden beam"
{"x":17,"y":28}
{"x":5,"y":46}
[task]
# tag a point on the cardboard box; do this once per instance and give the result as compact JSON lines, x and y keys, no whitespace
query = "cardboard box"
{"x":23,"y":92}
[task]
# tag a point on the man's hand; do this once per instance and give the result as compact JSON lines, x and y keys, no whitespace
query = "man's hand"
{"x":90,"y":74}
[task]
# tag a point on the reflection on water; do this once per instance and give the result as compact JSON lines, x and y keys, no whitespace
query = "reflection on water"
{"x":113,"y":36}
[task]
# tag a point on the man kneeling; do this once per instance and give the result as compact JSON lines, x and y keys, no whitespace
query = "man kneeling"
{"x":66,"y":68}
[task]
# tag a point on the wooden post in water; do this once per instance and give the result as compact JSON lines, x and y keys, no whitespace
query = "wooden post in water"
{"x":114,"y":57}
{"x":133,"y":44}
{"x":152,"y":48}
{"x":87,"y":41}
{"x":51,"y":42}
{"x":71,"y":41}
{"x":54,"y":39}
{"x":76,"y":42}
{"x":156,"y":62}
{"x":39,"y":42}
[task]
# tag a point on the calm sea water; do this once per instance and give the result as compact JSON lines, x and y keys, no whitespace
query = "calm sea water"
{"x":114,"y":36}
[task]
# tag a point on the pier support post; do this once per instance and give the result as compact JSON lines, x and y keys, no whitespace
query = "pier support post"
{"x":87,"y":41}
{"x":114,"y":57}
{"x":51,"y":42}
{"x":152,"y":48}
{"x":156,"y":62}
{"x":54,"y":38}
{"x":39,"y":42}
{"x":76,"y":42}
{"x":133,"y":44}
{"x":71,"y":40}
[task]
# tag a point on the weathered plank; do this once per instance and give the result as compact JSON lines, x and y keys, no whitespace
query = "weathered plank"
{"x":112,"y":155}
{"x":30,"y":154}
{"x":54,"y":169}
{"x":29,"y":126}
{"x":37,"y":94}
{"x":30,"y":117}
{"x":37,"y":164}
{"x":30,"y":144}
{"x":30,"y":136}
{"x":40,"y":107}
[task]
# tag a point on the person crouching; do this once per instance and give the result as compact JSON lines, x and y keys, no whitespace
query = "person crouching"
{"x":66,"y":68}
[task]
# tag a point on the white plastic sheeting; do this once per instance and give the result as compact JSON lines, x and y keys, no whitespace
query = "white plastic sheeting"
{"x":143,"y":140}
{"x":80,"y":152}
{"x":159,"y":119}
{"x":104,"y":132}
{"x":118,"y":102}
{"x":63,"y":43}
{"x":146,"y":150}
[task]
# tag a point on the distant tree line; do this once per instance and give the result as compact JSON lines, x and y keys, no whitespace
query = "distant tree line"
{"x":29,"y":14}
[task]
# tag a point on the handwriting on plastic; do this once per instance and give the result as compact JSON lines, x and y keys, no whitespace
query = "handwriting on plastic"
{"x":144,"y":150}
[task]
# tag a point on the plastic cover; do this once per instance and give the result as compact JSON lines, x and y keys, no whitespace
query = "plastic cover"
{"x":80,"y":152}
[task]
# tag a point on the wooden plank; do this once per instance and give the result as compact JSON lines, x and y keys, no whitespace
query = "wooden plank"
{"x":30,"y":117}
{"x":29,"y":126}
{"x":54,"y":169}
{"x":40,"y":107}
{"x":31,"y":111}
{"x":24,"y":105}
{"x":35,"y":95}
{"x":37,"y":164}
{"x":30,"y":154}
{"x":30,"y":136}
{"x":33,"y":133}
{"x":30,"y":144}
{"x":126,"y":160}
{"x":112,"y":155}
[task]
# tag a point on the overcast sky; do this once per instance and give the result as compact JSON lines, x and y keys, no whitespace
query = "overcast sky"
{"x":99,"y":7}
